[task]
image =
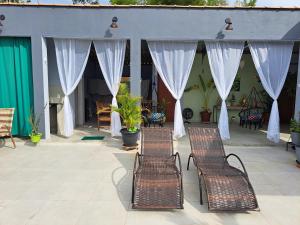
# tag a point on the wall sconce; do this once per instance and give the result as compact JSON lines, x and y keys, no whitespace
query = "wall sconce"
{"x":114,"y":22}
{"x":229,"y":26}
{"x":2,"y":18}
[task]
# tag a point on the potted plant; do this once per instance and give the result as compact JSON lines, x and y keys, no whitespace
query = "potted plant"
{"x":34,"y":121}
{"x":295,"y":131}
{"x":295,"y":136}
{"x":130,"y":113}
{"x":206,"y":89}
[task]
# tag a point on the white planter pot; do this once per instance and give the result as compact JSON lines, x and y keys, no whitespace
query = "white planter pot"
{"x":298,"y":153}
{"x":295,"y":138}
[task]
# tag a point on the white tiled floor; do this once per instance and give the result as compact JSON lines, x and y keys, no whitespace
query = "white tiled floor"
{"x":89,"y":183}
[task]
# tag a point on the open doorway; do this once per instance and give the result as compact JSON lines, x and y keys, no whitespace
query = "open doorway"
{"x":92,"y":91}
{"x":155,"y":95}
{"x":93,"y":97}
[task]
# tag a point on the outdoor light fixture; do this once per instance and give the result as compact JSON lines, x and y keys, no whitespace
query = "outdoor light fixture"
{"x":2,"y":18}
{"x":114,"y":22}
{"x":229,"y":24}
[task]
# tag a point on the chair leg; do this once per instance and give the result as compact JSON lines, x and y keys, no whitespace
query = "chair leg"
{"x":12,"y":140}
{"x":201,"y":194}
{"x":132,"y":192}
{"x":188,"y":165}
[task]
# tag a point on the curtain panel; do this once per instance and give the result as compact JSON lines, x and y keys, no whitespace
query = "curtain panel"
{"x":71,"y":57}
{"x":111,"y":55}
{"x":16,"y":85}
{"x":173,"y":61}
{"x":272,"y":61}
{"x":224,"y":59}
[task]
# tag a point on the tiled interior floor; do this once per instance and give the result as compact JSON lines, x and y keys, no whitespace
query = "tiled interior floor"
{"x":89,"y":183}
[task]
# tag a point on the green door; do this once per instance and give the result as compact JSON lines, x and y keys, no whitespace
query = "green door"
{"x":16,"y":88}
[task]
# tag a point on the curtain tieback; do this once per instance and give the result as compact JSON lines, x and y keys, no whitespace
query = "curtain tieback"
{"x":114,"y":101}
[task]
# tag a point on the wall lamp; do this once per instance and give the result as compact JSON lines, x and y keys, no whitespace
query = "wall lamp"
{"x":2,"y":18}
{"x":114,"y":22}
{"x":228,"y":22}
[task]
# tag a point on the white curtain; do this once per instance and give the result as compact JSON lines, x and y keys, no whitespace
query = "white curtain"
{"x":111,"y":54}
{"x":71,"y":57}
{"x":224,"y":59}
{"x":272,"y":61}
{"x":173,"y":61}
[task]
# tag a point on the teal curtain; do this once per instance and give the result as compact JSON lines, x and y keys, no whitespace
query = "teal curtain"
{"x":16,"y":88}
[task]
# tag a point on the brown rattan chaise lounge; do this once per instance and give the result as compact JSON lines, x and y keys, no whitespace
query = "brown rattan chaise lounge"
{"x":157,"y":181}
{"x":227,"y":188}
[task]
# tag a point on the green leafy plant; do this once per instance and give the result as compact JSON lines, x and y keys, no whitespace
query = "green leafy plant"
{"x":93,"y":2}
{"x":295,"y":125}
{"x":129,"y":109}
{"x":34,"y":121}
{"x":170,"y":2}
{"x":206,"y":88}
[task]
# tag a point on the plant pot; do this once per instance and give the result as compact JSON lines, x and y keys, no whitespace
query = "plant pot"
{"x":298,"y":153}
{"x":295,"y":138}
{"x":129,"y":138}
{"x":205,"y":116}
{"x":35,"y":138}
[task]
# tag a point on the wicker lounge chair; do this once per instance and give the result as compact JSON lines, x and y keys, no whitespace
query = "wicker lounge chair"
{"x":6,"y":119}
{"x":227,"y":187}
{"x":157,"y":181}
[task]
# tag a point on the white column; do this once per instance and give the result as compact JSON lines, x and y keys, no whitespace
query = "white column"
{"x":135,"y":67}
{"x":297,"y":101}
{"x":40,"y":82}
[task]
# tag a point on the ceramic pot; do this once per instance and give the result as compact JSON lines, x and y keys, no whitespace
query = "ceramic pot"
{"x":129,"y":138}
{"x":205,"y":116}
{"x":295,"y":136}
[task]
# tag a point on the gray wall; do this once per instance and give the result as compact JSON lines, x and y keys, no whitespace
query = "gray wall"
{"x":40,"y":22}
{"x":150,"y":23}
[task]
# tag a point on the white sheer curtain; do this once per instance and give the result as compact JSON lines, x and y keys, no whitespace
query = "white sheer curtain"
{"x":272,"y":61}
{"x":224,"y":59}
{"x":111,"y":54}
{"x":173,"y":61}
{"x":71,"y":57}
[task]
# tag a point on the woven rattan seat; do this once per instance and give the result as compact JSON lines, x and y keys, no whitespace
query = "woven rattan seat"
{"x":227,"y":188}
{"x":157,"y":181}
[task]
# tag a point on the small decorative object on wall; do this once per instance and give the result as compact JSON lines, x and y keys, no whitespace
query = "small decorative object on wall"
{"x":187,"y":114}
{"x":243,"y":100}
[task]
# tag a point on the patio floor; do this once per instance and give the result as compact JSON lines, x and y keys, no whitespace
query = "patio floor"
{"x":89,"y":183}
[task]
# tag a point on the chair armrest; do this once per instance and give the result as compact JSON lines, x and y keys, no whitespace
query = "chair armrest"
{"x":238,"y":158}
{"x":136,"y":160}
{"x":176,"y":155}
